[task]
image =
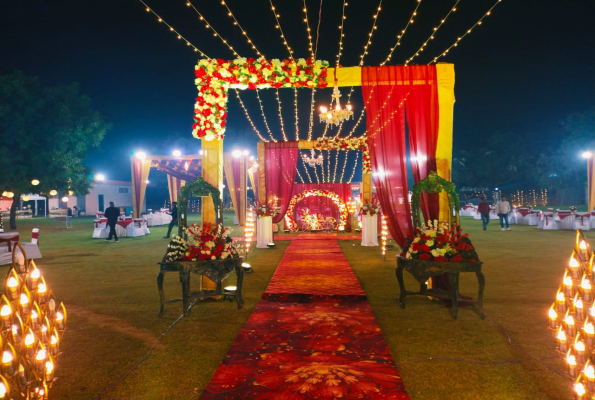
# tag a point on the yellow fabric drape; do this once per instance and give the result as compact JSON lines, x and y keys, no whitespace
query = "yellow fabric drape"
{"x":446,"y":99}
{"x":262,"y":190}
{"x":346,"y":76}
{"x":174,"y":185}
{"x":231,"y":183}
{"x":212,"y":172}
{"x":145,"y":168}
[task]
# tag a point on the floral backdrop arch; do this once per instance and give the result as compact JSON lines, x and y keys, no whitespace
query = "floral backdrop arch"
{"x":343,"y":212}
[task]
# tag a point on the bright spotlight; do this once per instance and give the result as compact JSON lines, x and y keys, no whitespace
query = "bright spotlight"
{"x":141,"y":155}
{"x":245,"y":152}
{"x":177,"y":153}
{"x":65,"y":199}
{"x":236,"y":153}
{"x":99,"y":177}
{"x":35,"y":182}
{"x":587,"y":154}
{"x":251,"y":158}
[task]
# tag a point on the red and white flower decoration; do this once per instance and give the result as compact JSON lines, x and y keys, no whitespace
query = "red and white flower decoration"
{"x":215,"y":76}
{"x":344,"y":213}
{"x":351,"y":143}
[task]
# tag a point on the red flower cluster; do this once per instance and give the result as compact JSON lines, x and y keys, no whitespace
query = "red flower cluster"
{"x":208,"y":242}
{"x":440,"y":244}
{"x":264,"y":210}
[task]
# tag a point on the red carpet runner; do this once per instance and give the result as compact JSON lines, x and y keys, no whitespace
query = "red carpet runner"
{"x":312,"y":336}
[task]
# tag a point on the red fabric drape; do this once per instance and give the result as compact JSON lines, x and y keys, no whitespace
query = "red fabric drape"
{"x":385,"y":119}
{"x":280,"y":168}
{"x":320,"y":204}
{"x":422,"y":112}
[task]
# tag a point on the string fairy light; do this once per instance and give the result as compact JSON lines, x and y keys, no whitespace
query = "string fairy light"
{"x":431,"y":37}
{"x":209,"y":26}
{"x":295,"y":102}
{"x":354,"y":168}
{"x":343,"y":18}
{"x":456,"y":43}
{"x":309,"y":31}
{"x":278,"y":26}
{"x":244,"y":33}
{"x":306,"y":168}
{"x":171,"y":28}
{"x":336,"y":165}
{"x":384,"y":235}
{"x":281,"y":116}
{"x":248,"y":116}
{"x":369,"y":42}
{"x":266,"y":124}
{"x":400,"y":36}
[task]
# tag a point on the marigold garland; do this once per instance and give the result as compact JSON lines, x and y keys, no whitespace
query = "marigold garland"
{"x":343,"y":212}
{"x":352,"y":143}
{"x":215,"y":77}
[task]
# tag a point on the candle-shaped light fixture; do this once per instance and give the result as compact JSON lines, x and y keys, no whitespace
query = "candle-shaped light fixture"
{"x":589,"y":372}
{"x":24,"y":301}
{"x":13,"y":285}
{"x":41,"y":293}
{"x":34,"y":277}
{"x":49,"y":370}
{"x":590,"y":331}
{"x":54,"y":345}
{"x":5,"y":314}
{"x":3,"y":390}
{"x":587,"y":290}
{"x":579,"y":309}
{"x":570,"y":326}
{"x":561,"y":300}
{"x":571,"y":363}
{"x":579,"y":346}
{"x":29,"y":342}
{"x":553,"y":318}
{"x":583,"y":248}
{"x":59,"y":320}
{"x":8,"y":363}
{"x":574,"y":266}
{"x":41,"y":357}
{"x":579,"y":389}
{"x":562,"y":343}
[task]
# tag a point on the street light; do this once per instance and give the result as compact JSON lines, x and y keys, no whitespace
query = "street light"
{"x":587,"y":154}
{"x":99,"y":177}
{"x":141,"y":155}
{"x":177,"y":153}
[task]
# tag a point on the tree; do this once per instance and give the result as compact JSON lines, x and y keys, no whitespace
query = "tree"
{"x":45,"y":134}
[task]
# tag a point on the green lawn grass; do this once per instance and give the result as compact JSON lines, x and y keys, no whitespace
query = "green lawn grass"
{"x":111,"y":294}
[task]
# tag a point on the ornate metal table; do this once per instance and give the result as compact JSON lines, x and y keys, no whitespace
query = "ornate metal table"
{"x":424,"y":270}
{"x":216,"y":270}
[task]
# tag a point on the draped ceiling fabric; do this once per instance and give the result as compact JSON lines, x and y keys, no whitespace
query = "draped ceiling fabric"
{"x":174,"y":184}
{"x":321,"y":204}
{"x":177,"y":168}
{"x":421,"y":93}
{"x":280,"y":169}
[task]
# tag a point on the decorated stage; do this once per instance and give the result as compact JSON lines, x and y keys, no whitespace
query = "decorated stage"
{"x":313,"y":335}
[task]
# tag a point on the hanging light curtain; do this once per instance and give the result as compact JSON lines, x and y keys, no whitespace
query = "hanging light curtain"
{"x":280,"y":168}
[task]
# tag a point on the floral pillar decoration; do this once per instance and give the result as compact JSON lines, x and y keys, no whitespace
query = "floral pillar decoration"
{"x":264,"y":223}
{"x":369,"y":212}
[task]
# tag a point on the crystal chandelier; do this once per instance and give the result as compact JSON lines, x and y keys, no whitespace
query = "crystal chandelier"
{"x":337,"y":115}
{"x":313,"y":160}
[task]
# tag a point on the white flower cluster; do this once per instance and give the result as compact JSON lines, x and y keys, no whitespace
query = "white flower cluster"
{"x":176,"y":249}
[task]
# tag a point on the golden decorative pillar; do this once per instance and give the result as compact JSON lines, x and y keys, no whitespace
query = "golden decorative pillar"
{"x":366,"y":188}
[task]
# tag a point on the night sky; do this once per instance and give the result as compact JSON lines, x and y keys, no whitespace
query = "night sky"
{"x":523,"y":71}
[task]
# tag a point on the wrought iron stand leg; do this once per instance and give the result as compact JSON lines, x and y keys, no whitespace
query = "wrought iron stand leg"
{"x":399,"y":273}
{"x":240,"y":280}
{"x":454,"y":276}
{"x":161,"y":295}
{"x":184,"y":278}
{"x":482,"y":283}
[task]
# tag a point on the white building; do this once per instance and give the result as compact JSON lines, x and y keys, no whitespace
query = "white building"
{"x":100,"y":194}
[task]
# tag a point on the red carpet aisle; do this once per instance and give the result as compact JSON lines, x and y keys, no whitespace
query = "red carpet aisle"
{"x":312,"y":336}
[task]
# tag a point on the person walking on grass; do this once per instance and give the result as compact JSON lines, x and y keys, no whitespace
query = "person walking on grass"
{"x":484,"y":210}
{"x":174,"y":219}
{"x":112,"y":214}
{"x":503,"y":209}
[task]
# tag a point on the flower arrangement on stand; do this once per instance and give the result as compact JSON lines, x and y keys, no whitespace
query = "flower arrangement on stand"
{"x":572,"y":209}
{"x":435,"y":242}
{"x":371,"y":208}
{"x":264,"y":210}
{"x":207,"y":242}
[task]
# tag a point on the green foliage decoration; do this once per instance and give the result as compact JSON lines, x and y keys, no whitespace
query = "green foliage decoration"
{"x":198,"y":188}
{"x":434,"y":184}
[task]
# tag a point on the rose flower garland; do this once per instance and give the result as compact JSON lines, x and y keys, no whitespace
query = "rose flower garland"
{"x":215,"y":77}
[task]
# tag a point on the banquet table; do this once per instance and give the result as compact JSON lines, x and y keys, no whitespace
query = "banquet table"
{"x":566,"y":218}
{"x":9,"y":237}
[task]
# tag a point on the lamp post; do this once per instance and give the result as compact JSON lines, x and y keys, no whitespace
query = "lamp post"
{"x":588,"y":155}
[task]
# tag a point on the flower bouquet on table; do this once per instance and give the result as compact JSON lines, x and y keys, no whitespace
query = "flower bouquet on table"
{"x":207,"y":242}
{"x":436,"y":242}
{"x":572,"y":209}
{"x":264,"y":210}
{"x":371,"y":208}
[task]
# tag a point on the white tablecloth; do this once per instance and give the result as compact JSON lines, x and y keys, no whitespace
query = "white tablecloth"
{"x":264,"y":231}
{"x":369,"y":230}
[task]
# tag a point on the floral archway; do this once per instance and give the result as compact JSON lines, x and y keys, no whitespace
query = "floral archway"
{"x":343,"y":212}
